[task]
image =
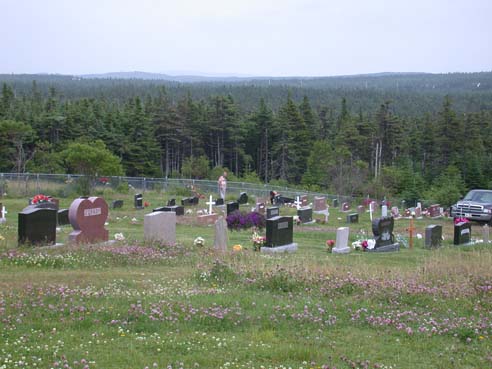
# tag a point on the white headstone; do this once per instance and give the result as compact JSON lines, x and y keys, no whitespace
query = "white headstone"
{"x":371,"y":209}
{"x":486,"y":233}
{"x":341,"y":246}
{"x":384,"y":211}
{"x":210,"y":203}
{"x":220,"y":242}
{"x":419,"y":205}
{"x":395,"y":212}
{"x":160,"y":227}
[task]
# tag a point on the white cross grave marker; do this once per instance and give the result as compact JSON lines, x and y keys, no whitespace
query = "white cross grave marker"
{"x":298,"y":203}
{"x":4,"y":212}
{"x":210,"y":203}
{"x":371,"y":204}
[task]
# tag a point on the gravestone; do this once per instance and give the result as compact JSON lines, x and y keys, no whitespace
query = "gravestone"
{"x":341,"y":246}
{"x":62,"y":217}
{"x":177,"y":209}
{"x":382,"y":229}
{"x":418,"y":212}
{"x":282,"y":200}
{"x":117,"y":204}
{"x":46,"y":205}
{"x":485,"y":233}
{"x":272,"y":212}
{"x":384,"y":211}
{"x":407,"y":213}
{"x":187,"y":201}
{"x":260,"y":208}
{"x":320,"y":203}
{"x":279,"y":235}
{"x":3,"y":213}
{"x":219,"y":202}
{"x":433,"y":236}
{"x":334,"y":203}
{"x":171,"y":202}
{"x":345,"y":206}
{"x":195,"y":200}
{"x":305,"y":215}
{"x":160,"y":227}
{"x":434,"y":211}
{"x":87,"y":216}
{"x":243,"y":198}
{"x":220,"y":241}
{"x":138,"y":201}
{"x":462,"y":233}
{"x":231,"y":207}
{"x":353,"y":218}
{"x":395,"y":212}
{"x":37,"y":226}
{"x":361,"y":209}
{"x":207,"y":219}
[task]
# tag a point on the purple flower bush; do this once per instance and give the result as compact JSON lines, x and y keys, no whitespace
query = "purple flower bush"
{"x":237,"y":220}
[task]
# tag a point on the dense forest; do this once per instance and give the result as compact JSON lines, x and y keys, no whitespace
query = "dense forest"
{"x":408,"y":135}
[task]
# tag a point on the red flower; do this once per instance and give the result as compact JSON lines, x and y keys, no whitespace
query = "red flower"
{"x":330,"y":243}
{"x":146,"y":204}
{"x":40,"y":198}
{"x":364,"y":244}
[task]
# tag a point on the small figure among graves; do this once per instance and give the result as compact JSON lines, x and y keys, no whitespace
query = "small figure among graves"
{"x":222,"y":185}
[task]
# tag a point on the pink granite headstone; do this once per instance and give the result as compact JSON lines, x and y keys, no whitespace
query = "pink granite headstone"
{"x":320,"y":203}
{"x":87,"y":216}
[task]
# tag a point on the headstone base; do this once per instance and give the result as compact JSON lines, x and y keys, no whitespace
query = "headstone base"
{"x":208,"y":219}
{"x":292,"y":247}
{"x":344,"y":250}
{"x":387,"y":248}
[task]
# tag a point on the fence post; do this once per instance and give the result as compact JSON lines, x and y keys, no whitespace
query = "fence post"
{"x":143,"y":185}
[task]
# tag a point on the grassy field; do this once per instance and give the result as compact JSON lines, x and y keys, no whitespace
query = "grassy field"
{"x":137,"y":305}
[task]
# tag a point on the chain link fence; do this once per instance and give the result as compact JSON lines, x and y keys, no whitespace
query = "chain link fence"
{"x":68,"y":185}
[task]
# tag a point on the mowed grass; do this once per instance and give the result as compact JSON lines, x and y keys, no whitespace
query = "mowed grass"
{"x":138,"y":305}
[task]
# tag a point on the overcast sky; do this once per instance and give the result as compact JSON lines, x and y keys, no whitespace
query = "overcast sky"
{"x":250,"y":37}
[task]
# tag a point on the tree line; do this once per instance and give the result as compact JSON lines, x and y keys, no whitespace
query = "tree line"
{"x":337,"y":147}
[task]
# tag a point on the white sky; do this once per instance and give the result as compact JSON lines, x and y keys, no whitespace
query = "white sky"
{"x":253,"y":37}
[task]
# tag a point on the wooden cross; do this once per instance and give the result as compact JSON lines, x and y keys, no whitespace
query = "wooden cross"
{"x":410,"y":230}
{"x":210,"y":203}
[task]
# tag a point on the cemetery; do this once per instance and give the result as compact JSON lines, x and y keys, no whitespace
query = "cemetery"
{"x":216,"y":284}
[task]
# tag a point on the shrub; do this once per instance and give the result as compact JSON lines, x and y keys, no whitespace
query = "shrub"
{"x":240,"y":220}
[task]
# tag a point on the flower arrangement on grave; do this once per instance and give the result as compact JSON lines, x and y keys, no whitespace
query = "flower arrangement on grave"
{"x":40,"y":198}
{"x":146,"y":204}
{"x":258,"y":241}
{"x":104,"y":180}
{"x":237,"y":248}
{"x":329,"y":245}
{"x":460,"y":220}
{"x":237,"y":220}
{"x":119,"y":237}
{"x":199,"y":241}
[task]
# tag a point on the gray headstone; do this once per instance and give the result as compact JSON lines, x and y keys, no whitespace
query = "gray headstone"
{"x":272,"y":212}
{"x":305,"y":215}
{"x":320,"y":203}
{"x":353,"y":218}
{"x":395,"y":212}
{"x":341,"y":246}
{"x":160,"y":227}
{"x":433,"y":236}
{"x":220,"y":241}
{"x":384,"y":211}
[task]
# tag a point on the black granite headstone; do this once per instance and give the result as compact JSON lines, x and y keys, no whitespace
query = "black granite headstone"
{"x":243,"y":198}
{"x":282,"y":200}
{"x":46,"y":205}
{"x":279,"y":231}
{"x":187,"y":201}
{"x":335,"y":203}
{"x":232,"y":206}
{"x":37,"y":226}
{"x":62,"y":217}
{"x":305,"y":215}
{"x":138,"y":201}
{"x":171,"y":202}
{"x":272,"y":212}
{"x":117,"y":204}
{"x":462,"y":233}
{"x":195,"y":200}
{"x":433,"y":236}
{"x":219,"y":202}
{"x":179,"y":210}
{"x":353,"y":218}
{"x":382,"y":228}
